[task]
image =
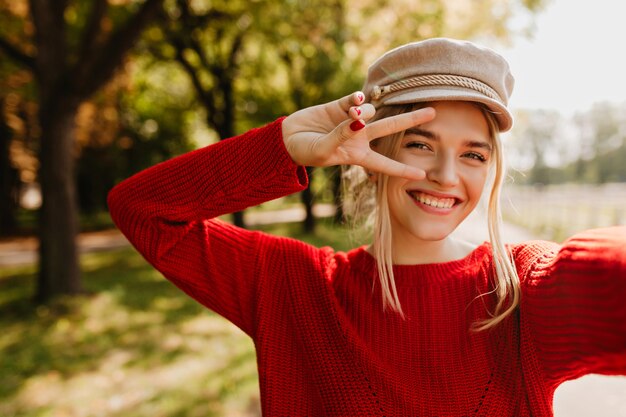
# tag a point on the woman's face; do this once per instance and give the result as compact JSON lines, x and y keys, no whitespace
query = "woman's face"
{"x":455,"y":150}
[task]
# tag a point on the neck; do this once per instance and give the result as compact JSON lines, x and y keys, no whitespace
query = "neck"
{"x":418,"y":252}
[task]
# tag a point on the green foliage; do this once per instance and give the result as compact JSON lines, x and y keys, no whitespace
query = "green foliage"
{"x":148,"y":133}
{"x":607,"y":167}
{"x":88,"y":221}
{"x":158,"y":114}
{"x":589,"y":148}
{"x":288,"y":55}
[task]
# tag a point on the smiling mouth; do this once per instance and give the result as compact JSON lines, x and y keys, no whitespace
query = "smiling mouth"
{"x":432,"y":201}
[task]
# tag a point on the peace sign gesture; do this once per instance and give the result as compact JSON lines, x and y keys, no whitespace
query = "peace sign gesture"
{"x":335,"y":133}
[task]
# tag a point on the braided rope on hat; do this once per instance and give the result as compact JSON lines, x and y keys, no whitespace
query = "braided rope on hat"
{"x":440,"y":80}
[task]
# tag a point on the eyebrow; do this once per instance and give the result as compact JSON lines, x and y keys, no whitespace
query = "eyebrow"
{"x":435,"y":137}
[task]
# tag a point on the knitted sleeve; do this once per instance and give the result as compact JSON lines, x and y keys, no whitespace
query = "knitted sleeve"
{"x":574,"y":303}
{"x":167,"y":212}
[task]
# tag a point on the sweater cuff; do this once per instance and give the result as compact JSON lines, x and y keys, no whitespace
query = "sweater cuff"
{"x":286,"y":161}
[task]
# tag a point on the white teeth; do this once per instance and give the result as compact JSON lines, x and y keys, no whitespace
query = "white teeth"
{"x":429,"y":200}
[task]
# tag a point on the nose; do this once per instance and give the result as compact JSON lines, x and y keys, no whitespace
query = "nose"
{"x":444,"y":172}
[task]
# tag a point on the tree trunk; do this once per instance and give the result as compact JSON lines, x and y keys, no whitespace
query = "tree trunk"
{"x":66,"y":76}
{"x":337,"y":198}
{"x":307,"y":198}
{"x":59,"y":271}
{"x":9,"y":183}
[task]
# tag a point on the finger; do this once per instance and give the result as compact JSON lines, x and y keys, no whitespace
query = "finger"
{"x":348,"y":128}
{"x":355,"y":99}
{"x":365,"y":112}
{"x":345,"y":131}
{"x":376,"y":162}
{"x":355,"y":112}
{"x":399,"y":123}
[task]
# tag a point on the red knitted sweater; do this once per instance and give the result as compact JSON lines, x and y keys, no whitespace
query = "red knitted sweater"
{"x":324,"y":345}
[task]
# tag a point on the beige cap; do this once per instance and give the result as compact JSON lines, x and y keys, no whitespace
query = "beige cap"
{"x":442,"y":69}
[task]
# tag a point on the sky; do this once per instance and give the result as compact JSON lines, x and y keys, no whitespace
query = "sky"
{"x":577,"y":56}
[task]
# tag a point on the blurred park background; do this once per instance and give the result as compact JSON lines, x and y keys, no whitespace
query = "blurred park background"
{"x":92,"y":91}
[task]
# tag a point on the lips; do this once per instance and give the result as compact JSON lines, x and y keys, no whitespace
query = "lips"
{"x":438,"y":202}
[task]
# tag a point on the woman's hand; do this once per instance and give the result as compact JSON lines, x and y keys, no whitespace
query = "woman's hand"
{"x":335,"y":133}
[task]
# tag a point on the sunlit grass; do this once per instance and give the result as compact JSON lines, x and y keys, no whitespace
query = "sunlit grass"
{"x":137,"y":346}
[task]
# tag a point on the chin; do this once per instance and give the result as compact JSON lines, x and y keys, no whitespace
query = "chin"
{"x":434,"y":234}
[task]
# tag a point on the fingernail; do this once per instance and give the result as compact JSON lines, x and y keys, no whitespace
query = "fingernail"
{"x":357,"y":125}
{"x":358,"y":111}
{"x":360,"y":97}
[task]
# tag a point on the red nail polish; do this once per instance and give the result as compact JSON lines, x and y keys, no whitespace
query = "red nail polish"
{"x":357,"y":125}
{"x":360,"y":97}
{"x":358,"y":111}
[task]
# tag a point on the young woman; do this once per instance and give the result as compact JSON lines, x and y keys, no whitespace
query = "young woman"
{"x":417,"y":323}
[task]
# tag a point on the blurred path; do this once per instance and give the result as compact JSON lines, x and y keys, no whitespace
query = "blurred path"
{"x":23,"y":250}
{"x":592,"y":395}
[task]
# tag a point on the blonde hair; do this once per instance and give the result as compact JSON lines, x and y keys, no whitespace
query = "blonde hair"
{"x":365,"y":202}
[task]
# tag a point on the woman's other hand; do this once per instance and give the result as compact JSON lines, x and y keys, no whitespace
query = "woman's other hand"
{"x":335,"y":133}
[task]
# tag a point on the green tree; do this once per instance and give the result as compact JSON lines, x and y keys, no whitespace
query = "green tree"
{"x":122,"y":131}
{"x":535,"y":144}
{"x":601,"y":141}
{"x":591,"y":150}
{"x":313,"y":52}
{"x":601,"y":132}
{"x":73,"y":49}
{"x":206,"y":39}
